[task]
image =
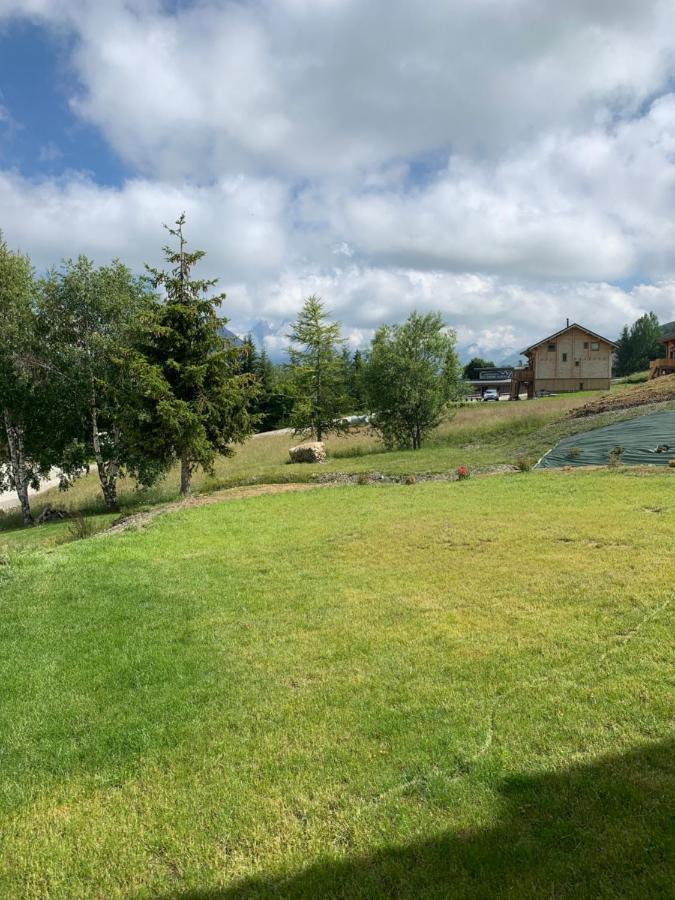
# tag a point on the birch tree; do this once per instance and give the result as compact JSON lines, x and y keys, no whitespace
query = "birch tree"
{"x":93,"y":320}
{"x":20,"y":400}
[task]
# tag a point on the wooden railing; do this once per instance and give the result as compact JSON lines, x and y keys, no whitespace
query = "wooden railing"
{"x":660,"y":367}
{"x":662,"y":364}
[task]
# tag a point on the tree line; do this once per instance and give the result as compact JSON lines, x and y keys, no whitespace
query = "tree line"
{"x":134,"y":374}
{"x":637,"y":345}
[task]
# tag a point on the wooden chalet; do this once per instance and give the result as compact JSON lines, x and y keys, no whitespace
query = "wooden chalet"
{"x":573,"y":359}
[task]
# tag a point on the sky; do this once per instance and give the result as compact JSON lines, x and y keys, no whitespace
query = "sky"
{"x":510,"y":163}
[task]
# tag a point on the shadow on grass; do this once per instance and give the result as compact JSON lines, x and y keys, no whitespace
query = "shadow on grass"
{"x":595,"y":831}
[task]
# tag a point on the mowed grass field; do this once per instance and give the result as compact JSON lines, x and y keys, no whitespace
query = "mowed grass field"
{"x":437,"y":690}
{"x":478,"y":435}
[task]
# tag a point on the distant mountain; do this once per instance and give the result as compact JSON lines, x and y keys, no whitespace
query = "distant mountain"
{"x":512,"y":359}
{"x":271,"y":336}
{"x":230,"y":336}
{"x":668,"y":328}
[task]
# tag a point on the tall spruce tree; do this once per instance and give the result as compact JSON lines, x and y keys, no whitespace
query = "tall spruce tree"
{"x":357,"y":386}
{"x":210,"y":397}
{"x":623,"y":353}
{"x":638,"y":345}
{"x":317,"y":372}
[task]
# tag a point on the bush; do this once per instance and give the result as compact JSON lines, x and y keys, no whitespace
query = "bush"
{"x":573,"y":453}
{"x":462,"y":473}
{"x":615,"y":455}
{"x":410,"y":479}
{"x":363,"y":478}
{"x":80,"y":527}
{"x":524,"y":464}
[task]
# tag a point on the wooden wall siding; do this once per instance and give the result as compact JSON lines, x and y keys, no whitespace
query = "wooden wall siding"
{"x":572,"y":384}
{"x":594,"y":366}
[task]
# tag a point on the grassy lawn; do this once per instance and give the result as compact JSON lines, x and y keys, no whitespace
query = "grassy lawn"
{"x":479,"y":435}
{"x":439,"y":690}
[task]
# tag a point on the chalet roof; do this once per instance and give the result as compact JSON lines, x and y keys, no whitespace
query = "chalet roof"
{"x":552,"y":337}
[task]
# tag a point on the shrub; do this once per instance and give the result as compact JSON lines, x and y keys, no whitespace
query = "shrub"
{"x":573,"y":453}
{"x":524,"y":464}
{"x":362,"y":478}
{"x":410,"y":479}
{"x":615,"y":455}
{"x":462,"y":473}
{"x":80,"y":527}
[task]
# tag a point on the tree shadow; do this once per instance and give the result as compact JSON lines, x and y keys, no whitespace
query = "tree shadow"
{"x":597,"y":830}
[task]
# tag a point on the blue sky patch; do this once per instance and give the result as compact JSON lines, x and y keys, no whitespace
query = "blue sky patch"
{"x":39,"y":135}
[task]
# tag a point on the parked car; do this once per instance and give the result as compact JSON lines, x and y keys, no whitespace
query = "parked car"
{"x":491,"y":394}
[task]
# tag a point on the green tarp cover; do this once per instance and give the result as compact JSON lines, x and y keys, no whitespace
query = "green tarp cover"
{"x":647,"y":440}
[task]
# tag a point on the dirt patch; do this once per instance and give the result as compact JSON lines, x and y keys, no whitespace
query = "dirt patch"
{"x":660,"y":390}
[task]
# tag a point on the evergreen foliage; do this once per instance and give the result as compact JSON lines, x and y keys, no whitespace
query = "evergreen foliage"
{"x":208,"y":406}
{"x":317,"y":372}
{"x":638,"y":345}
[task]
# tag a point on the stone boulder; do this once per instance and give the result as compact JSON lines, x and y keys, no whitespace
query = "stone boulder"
{"x":313,"y":452}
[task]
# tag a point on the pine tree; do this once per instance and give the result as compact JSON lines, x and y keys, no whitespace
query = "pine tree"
{"x":317,"y":372}
{"x":622,"y":357}
{"x":638,"y":345}
{"x":210,"y":403}
{"x":357,"y":382}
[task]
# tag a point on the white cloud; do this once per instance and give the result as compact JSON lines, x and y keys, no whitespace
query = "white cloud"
{"x":239,"y":219}
{"x":500,"y":160}
{"x":321,"y":87}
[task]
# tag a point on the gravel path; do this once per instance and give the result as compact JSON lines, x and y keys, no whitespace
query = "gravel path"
{"x":9,"y":500}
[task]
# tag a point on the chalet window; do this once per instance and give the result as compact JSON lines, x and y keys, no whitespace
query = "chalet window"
{"x":551,"y":348}
{"x":576,"y":362}
{"x":564,"y":357}
{"x":585,"y":345}
{"x":595,"y":345}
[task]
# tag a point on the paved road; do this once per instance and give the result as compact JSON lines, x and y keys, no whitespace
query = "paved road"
{"x":352,"y":420}
{"x":9,"y":500}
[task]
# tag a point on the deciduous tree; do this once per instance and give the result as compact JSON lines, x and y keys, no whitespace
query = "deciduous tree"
{"x":411,"y":376}
{"x":94,"y":318}
{"x":19,"y":392}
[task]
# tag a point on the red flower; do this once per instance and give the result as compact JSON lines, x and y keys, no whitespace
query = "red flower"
{"x":462,"y":472}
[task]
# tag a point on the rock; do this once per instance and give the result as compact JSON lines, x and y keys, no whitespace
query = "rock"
{"x":51,"y":514}
{"x":314,"y":452}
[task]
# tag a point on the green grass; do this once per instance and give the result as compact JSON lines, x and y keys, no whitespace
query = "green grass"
{"x":477,"y":435}
{"x":439,"y":690}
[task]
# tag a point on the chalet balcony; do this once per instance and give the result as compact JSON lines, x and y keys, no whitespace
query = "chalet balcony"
{"x":523,"y":374}
{"x":661,"y":367}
